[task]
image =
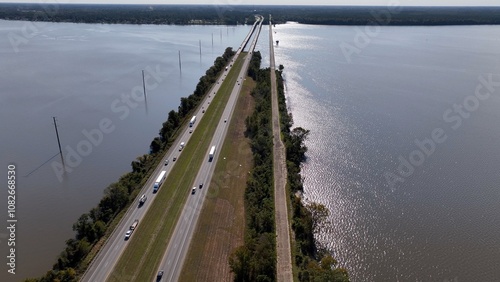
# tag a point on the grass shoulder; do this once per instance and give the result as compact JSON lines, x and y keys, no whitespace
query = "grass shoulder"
{"x":93,"y":228}
{"x":145,"y":249}
{"x":221,"y":225}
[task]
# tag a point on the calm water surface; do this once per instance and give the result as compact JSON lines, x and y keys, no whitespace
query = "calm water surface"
{"x":79,"y":73}
{"x":443,"y":222}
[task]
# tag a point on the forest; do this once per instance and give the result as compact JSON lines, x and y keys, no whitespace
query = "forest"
{"x":244,"y":14}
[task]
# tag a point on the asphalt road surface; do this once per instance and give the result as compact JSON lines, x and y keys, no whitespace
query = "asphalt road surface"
{"x":173,"y":259}
{"x":102,"y":266}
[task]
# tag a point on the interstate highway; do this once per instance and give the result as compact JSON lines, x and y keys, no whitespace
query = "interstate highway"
{"x":173,"y":259}
{"x":102,"y":266}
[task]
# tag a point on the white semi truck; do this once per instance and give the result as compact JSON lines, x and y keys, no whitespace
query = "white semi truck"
{"x":192,"y":121}
{"x":211,"y":154}
{"x":159,"y":181}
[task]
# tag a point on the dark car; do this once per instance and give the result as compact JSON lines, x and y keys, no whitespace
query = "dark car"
{"x":142,"y":200}
{"x":201,"y":185}
{"x":159,"y":276}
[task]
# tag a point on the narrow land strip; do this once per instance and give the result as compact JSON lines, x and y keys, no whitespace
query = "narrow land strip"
{"x":283,"y":250}
{"x":147,"y":245}
{"x":222,"y":220}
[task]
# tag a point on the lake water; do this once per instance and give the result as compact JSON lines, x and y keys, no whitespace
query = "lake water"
{"x":440,"y":223}
{"x":82,"y":74}
{"x":369,"y":113}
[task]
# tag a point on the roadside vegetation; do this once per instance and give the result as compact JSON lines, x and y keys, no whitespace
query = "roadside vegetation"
{"x":314,"y":263}
{"x":92,"y":229}
{"x":221,"y":224}
{"x":141,"y":258}
{"x":255,"y":260}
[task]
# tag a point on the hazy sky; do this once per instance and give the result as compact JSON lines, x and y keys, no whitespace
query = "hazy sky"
{"x":280,"y":2}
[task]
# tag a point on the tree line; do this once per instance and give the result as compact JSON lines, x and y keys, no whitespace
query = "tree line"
{"x":93,"y":228}
{"x":244,"y":14}
{"x":314,"y":263}
{"x":127,"y":14}
{"x":256,"y":259}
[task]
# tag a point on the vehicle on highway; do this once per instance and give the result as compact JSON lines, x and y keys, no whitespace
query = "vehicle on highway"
{"x":128,"y":234}
{"x":191,"y":130}
{"x":159,"y":181}
{"x":134,"y":225}
{"x":192,"y":121}
{"x":174,"y":159}
{"x":193,"y":190}
{"x":142,"y":199}
{"x":225,"y":120}
{"x":181,"y":146}
{"x":159,"y":276}
{"x":203,"y":111}
{"x":211,"y":154}
{"x":166,"y":162}
{"x":201,"y":185}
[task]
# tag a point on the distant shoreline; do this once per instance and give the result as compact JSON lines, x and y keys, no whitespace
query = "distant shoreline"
{"x":244,"y":14}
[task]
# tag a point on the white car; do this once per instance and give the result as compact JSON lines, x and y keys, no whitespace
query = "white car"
{"x":128,"y":234}
{"x":193,"y":190}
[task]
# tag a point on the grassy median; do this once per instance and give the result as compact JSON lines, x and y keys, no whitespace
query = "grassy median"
{"x":221,"y":225}
{"x":146,"y":247}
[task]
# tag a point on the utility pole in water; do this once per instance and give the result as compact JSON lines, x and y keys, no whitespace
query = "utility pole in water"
{"x":59,"y":144}
{"x":180,"y":65}
{"x":143,"y":85}
{"x":57,"y":135}
{"x":144,"y":89}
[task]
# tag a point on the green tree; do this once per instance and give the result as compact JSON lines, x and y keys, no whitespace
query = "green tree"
{"x":155,"y":145}
{"x":239,"y":262}
{"x":319,"y":215}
